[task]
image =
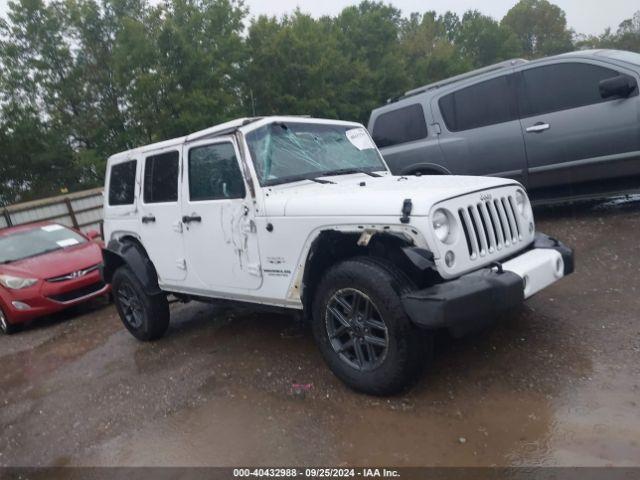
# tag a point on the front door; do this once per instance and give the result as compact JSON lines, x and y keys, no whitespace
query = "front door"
{"x":572,"y":134}
{"x":161,"y":228}
{"x":220,"y":231}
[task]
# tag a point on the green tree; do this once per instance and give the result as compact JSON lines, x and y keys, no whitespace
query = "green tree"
{"x":481,"y":40}
{"x":429,"y":49}
{"x":540,"y":26}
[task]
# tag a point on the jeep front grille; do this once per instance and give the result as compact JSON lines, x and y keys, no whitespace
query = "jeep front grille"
{"x":491,"y":226}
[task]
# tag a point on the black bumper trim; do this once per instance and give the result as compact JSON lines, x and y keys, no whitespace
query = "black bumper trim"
{"x":466,"y":304}
{"x":542,"y":240}
{"x":475,"y":301}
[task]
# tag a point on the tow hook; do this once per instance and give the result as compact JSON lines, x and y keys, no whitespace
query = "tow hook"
{"x":498,"y":267}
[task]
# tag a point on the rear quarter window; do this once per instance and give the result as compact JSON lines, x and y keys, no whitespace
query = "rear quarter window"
{"x":406,"y":124}
{"x":122,"y":181}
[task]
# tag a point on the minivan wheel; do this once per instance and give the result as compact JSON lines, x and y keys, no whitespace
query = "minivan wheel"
{"x":145,"y":316}
{"x":5,"y":326}
{"x":362,"y":330}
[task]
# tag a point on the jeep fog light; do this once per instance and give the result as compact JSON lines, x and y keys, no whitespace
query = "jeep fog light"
{"x":449,"y":259}
{"x":441,"y":225}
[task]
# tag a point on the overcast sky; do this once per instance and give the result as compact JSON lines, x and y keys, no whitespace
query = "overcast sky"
{"x":584,"y":16}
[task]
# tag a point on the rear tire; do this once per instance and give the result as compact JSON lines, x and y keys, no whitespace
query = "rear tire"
{"x":145,"y":316}
{"x":393,"y":352}
{"x":5,"y":326}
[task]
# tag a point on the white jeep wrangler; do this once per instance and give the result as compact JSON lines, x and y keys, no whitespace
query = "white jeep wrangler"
{"x":303,"y":214}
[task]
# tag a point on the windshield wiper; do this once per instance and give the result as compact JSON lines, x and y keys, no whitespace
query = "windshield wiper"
{"x":320,"y":180}
{"x":344,"y":171}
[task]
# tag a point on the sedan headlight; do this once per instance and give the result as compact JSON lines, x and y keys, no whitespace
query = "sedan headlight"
{"x":16,"y":283}
{"x":441,"y":225}
{"x":521,"y":202}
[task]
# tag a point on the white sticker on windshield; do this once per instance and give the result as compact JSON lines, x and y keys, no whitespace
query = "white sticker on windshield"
{"x":360,"y":138}
{"x":67,"y":242}
{"x":52,"y":228}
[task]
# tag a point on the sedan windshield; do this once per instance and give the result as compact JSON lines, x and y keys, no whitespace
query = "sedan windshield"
{"x":39,"y":240}
{"x":291,"y":151}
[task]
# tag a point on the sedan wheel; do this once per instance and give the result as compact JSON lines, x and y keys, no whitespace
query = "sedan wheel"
{"x":5,"y":326}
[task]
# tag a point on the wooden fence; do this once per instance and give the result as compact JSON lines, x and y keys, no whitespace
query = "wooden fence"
{"x":80,"y":210}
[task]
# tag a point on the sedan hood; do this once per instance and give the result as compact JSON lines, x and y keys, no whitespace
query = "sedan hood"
{"x":362,"y":195}
{"x":57,"y":263}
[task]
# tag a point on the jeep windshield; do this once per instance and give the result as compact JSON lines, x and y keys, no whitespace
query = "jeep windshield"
{"x":285,"y":152}
{"x":37,"y":241}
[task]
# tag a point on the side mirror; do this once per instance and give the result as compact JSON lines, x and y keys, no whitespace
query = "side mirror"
{"x":93,"y":234}
{"x":620,"y":86}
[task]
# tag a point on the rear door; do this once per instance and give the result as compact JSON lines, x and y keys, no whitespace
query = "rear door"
{"x":480,"y":133}
{"x":572,"y":135}
{"x":161,"y":227}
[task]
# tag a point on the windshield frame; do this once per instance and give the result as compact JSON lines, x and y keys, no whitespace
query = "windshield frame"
{"x":247,"y":129}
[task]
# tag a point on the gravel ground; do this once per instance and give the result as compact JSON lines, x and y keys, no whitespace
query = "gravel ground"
{"x":556,"y":383}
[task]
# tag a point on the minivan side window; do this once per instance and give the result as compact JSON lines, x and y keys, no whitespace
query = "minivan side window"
{"x":561,"y":86}
{"x":403,"y":125}
{"x":122,"y":182}
{"x":161,"y":178}
{"x":480,"y":105}
{"x":214,"y":173}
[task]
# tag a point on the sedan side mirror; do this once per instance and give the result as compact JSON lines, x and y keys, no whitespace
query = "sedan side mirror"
{"x":621,"y":86}
{"x":93,"y":234}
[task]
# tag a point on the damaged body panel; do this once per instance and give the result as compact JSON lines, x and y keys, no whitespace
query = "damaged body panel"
{"x":304,"y":214}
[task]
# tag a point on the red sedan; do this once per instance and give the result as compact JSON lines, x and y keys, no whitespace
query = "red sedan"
{"x":45,"y":268}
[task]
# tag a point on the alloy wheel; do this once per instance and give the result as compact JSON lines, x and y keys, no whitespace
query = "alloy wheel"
{"x":4,"y":326}
{"x":131,"y":305}
{"x":356,"y":330}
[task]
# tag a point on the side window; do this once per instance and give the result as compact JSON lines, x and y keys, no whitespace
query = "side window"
{"x":403,"y":125}
{"x":480,"y":105}
{"x":161,"y":178}
{"x":561,"y":86}
{"x":214,"y":173}
{"x":122,"y":182}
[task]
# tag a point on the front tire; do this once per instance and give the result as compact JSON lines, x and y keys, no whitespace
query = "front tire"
{"x":145,"y":316}
{"x":361,"y":328}
{"x":5,"y":326}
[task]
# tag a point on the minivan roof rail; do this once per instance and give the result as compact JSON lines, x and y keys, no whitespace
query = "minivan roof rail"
{"x":464,"y":76}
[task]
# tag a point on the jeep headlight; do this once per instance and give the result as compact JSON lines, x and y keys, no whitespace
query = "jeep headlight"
{"x":521,"y":202}
{"x":16,"y":283}
{"x":441,"y":225}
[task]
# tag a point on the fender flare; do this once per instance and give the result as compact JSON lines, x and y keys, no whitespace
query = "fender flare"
{"x":130,"y":253}
{"x":425,"y":166}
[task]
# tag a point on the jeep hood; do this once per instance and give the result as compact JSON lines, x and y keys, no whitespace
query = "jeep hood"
{"x":362,"y":195}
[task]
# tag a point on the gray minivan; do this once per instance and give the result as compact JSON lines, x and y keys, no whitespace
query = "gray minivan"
{"x":571,"y":120}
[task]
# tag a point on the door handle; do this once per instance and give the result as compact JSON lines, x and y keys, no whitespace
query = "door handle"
{"x":191,"y":218}
{"x":148,"y":219}
{"x":538,"y":127}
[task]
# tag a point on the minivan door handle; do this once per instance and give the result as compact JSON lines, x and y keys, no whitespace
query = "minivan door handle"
{"x":191,"y":218}
{"x":148,"y":219}
{"x":538,"y":127}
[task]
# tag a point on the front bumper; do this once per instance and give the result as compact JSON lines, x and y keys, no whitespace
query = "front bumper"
{"x":47,"y":298}
{"x":475,"y":300}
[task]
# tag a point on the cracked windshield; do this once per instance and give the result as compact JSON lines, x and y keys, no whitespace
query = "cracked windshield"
{"x":288,"y":152}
